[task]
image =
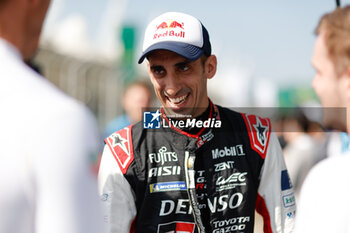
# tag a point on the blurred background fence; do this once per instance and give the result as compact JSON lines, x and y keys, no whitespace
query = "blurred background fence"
{"x":97,"y":84}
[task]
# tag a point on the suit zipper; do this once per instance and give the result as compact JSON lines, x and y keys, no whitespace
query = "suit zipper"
{"x":191,"y":190}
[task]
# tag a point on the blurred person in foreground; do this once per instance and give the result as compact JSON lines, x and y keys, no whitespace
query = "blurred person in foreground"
{"x":324,"y":199}
{"x":192,"y":166}
{"x":136,"y":97}
{"x":47,"y":140}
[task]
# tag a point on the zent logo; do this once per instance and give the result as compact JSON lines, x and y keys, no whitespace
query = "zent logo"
{"x":151,"y":120}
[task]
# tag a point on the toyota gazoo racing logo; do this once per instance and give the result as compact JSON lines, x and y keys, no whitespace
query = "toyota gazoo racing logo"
{"x":169,"y":28}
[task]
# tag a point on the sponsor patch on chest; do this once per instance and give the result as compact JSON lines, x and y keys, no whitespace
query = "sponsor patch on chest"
{"x":163,"y":163}
{"x":228,"y":151}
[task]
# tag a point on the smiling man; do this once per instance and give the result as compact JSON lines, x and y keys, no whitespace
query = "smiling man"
{"x":181,"y":84}
{"x":196,"y":167}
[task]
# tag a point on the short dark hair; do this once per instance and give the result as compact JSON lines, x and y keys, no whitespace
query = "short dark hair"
{"x":203,"y":58}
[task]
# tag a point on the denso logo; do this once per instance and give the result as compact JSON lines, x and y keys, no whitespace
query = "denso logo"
{"x":228,"y":151}
{"x":217,"y":204}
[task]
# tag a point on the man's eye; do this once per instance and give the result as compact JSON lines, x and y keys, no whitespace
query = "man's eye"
{"x":184,"y":67}
{"x":158,"y":70}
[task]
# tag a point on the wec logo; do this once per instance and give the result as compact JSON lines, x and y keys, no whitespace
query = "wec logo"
{"x":234,"y":178}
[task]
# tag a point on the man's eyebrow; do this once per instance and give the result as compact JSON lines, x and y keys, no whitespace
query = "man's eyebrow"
{"x":156,"y":66}
{"x":182,"y":63}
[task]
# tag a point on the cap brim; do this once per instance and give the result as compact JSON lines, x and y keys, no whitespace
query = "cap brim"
{"x":188,"y":51}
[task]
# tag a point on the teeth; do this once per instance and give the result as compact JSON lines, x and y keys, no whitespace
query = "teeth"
{"x":177,"y":100}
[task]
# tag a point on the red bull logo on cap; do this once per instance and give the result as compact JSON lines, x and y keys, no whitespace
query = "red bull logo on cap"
{"x":170,"y":26}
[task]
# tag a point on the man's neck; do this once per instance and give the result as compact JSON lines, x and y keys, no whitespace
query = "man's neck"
{"x":202,"y":117}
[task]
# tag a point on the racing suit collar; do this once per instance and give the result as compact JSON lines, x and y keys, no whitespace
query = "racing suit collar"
{"x":193,"y":132}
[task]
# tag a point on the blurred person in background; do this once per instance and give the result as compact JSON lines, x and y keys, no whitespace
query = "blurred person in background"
{"x":299,"y":151}
{"x":158,"y":177}
{"x":137,"y":96}
{"x":47,"y":139}
{"x":324,"y":199}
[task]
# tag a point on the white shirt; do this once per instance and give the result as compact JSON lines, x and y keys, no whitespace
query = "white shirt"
{"x":324,"y":205}
{"x":47,"y":141}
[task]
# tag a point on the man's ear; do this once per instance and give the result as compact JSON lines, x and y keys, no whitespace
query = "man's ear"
{"x":346,"y":83}
{"x":210,"y":66}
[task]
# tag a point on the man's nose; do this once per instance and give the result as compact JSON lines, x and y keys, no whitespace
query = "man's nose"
{"x":173,"y":86}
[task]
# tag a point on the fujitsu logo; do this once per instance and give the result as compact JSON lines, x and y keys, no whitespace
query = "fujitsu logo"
{"x":172,"y":29}
{"x":163,"y":156}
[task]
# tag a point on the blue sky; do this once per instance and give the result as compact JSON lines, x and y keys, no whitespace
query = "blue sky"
{"x":269,"y":40}
{"x":274,"y":36}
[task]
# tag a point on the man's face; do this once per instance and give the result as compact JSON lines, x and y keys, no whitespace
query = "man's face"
{"x":35,"y":16}
{"x":180,"y":84}
{"x":329,"y":87}
{"x":135,"y":99}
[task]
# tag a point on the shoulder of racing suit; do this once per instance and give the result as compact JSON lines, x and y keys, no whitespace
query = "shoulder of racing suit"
{"x":121,"y":146}
{"x":258,"y":128}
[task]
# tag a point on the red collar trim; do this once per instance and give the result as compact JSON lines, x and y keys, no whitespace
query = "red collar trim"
{"x":183,"y":132}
